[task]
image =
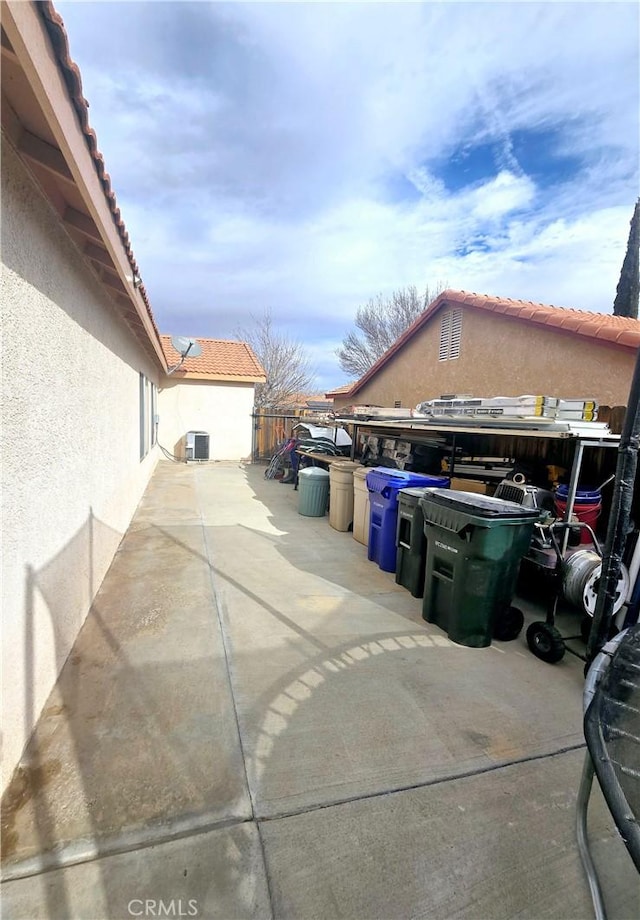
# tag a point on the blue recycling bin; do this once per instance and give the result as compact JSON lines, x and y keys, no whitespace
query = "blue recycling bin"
{"x":384,"y":484}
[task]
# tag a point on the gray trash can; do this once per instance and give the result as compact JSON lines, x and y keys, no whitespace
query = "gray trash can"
{"x":313,"y":492}
{"x":411,"y":543}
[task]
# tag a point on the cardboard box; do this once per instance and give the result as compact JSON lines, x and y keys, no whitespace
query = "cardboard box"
{"x":471,"y":485}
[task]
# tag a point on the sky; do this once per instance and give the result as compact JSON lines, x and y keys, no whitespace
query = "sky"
{"x":305,"y":157}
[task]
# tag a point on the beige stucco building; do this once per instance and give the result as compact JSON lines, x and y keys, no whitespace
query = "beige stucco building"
{"x":84,"y":370}
{"x":487,"y":346}
{"x":213,"y":393}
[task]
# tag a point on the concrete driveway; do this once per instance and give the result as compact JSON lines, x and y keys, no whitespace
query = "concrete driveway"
{"x":255,"y":721}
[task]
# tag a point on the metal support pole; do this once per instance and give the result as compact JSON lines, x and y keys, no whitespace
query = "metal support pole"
{"x":582,"y":806}
{"x":618,"y":519}
{"x":572,"y":492}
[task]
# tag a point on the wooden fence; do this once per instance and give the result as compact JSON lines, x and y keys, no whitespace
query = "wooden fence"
{"x":270,"y":429}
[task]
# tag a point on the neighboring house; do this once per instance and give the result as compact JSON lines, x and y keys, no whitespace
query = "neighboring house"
{"x":304,"y":404}
{"x":488,"y":346}
{"x":317,"y":405}
{"x":214,"y":393}
{"x":339,"y":396}
{"x":84,"y":369}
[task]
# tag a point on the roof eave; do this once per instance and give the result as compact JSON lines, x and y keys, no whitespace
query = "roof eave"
{"x":222,"y":378}
{"x":465,"y":300}
{"x":31,"y":43}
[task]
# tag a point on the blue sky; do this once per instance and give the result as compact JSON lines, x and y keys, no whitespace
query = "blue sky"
{"x":305,"y":157}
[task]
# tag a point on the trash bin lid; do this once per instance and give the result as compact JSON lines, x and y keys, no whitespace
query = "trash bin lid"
{"x":388,"y":480}
{"x":344,"y":465}
{"x":314,"y":472}
{"x":479,"y":506}
{"x":414,"y":494}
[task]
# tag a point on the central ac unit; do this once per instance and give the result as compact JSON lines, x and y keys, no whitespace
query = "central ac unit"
{"x":197,"y":445}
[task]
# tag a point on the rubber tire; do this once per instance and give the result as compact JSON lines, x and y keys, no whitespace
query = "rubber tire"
{"x":545,"y":642}
{"x":509,"y":625}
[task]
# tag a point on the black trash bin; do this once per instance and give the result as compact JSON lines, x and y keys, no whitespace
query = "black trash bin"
{"x":474,"y":547}
{"x":411,"y":543}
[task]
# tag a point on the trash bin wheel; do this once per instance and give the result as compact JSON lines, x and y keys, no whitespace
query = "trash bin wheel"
{"x":509,"y":624}
{"x":545,"y":642}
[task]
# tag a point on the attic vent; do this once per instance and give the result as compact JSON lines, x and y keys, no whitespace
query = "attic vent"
{"x":450,"y":335}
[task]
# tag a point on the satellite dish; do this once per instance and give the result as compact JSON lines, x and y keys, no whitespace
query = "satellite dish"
{"x":186,"y":347}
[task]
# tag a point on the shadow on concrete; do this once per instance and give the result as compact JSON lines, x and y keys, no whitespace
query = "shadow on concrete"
{"x":121,"y":755}
{"x":132,"y":717}
{"x":62,"y":597}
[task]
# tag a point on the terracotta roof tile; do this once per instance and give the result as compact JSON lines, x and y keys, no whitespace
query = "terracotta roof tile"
{"x":219,"y":359}
{"x":601,"y":327}
{"x":54,"y":25}
{"x":627,"y":337}
{"x":340,"y":391}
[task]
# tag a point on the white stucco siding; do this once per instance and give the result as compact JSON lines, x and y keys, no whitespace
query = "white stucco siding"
{"x":71,"y":470}
{"x":223,"y":410}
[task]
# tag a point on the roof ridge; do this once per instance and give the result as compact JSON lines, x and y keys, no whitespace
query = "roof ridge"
{"x":202,"y":338}
{"x":452,"y":294}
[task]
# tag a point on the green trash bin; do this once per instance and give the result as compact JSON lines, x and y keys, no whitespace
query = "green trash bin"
{"x":411,"y":543}
{"x":474,"y":547}
{"x":313,"y":492}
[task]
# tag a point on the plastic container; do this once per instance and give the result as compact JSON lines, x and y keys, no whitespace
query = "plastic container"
{"x":313,"y":492}
{"x":474,"y":547}
{"x":341,"y":492}
{"x":583,"y":496}
{"x":411,"y":543}
{"x":586,"y":507}
{"x":360,"y":506}
{"x":383,"y":485}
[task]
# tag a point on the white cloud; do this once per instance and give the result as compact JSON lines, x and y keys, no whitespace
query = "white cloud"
{"x":297,"y":155}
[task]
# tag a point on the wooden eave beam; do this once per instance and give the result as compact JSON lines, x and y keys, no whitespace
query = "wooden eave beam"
{"x":100,"y":255}
{"x":112,"y":282}
{"x":28,"y":36}
{"x":5,"y":44}
{"x":10,"y":121}
{"x":44,"y":154}
{"x":82,"y":223}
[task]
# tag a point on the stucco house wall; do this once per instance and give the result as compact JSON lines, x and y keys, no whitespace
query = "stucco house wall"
{"x":221,"y":409}
{"x":71,"y":472}
{"x":500,"y":356}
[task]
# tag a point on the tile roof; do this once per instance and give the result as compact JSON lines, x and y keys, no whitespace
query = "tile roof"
{"x":54,"y":25}
{"x":303,"y":399}
{"x":220,"y":360}
{"x":618,"y":331}
{"x":340,"y":391}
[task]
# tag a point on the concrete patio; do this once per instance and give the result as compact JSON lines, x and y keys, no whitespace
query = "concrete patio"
{"x":255,"y":721}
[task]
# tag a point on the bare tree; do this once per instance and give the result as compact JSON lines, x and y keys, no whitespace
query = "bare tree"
{"x":628,"y":290}
{"x":285,"y":362}
{"x":379,"y":323}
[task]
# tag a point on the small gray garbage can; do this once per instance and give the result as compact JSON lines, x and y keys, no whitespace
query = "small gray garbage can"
{"x":313,"y":491}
